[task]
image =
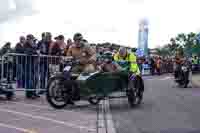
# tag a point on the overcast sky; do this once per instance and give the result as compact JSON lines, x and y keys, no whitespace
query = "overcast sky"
{"x":99,"y":20}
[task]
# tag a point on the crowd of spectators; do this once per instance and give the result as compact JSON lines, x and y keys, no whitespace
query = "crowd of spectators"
{"x":28,"y":68}
{"x":35,"y":64}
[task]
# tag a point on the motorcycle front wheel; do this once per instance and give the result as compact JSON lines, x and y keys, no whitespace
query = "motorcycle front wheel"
{"x":94,"y":100}
{"x":134,"y":95}
{"x":57,"y":94}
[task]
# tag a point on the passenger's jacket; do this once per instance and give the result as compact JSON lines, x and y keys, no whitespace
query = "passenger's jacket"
{"x":130,"y":58}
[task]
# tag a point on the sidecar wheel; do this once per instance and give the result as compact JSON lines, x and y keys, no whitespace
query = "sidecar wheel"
{"x":56,"y":93}
{"x":94,"y":100}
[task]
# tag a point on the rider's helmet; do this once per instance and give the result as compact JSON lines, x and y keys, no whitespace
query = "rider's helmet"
{"x":107,"y":57}
{"x":122,"y":52}
{"x":78,"y":40}
{"x":78,"y":37}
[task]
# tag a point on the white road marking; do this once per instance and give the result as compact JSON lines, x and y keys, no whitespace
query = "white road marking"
{"x":111,"y":128}
{"x":32,"y":105}
{"x":165,"y":78}
{"x":44,"y":107}
{"x":109,"y":121}
{"x":149,"y":79}
{"x":14,"y":127}
{"x":48,"y":119}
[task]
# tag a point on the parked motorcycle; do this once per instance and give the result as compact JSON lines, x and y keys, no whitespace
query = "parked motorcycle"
{"x":93,"y":87}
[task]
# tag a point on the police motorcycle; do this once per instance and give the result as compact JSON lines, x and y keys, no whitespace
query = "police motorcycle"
{"x":183,"y":74}
{"x":93,"y":87}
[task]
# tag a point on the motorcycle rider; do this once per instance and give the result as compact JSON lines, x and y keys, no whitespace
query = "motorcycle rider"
{"x":178,"y":63}
{"x":107,"y":64}
{"x":124,"y":55}
{"x":84,"y":53}
{"x":81,"y":51}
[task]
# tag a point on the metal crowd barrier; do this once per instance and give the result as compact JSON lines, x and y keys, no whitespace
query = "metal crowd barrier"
{"x":29,"y":72}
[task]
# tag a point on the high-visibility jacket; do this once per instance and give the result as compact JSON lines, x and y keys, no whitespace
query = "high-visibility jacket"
{"x":195,"y":61}
{"x":130,"y":58}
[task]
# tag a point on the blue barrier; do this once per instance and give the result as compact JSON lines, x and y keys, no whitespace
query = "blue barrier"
{"x":146,"y":69}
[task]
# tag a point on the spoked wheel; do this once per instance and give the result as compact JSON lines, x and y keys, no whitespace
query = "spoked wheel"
{"x":57,"y":95}
{"x":94,"y":100}
{"x":134,"y":95}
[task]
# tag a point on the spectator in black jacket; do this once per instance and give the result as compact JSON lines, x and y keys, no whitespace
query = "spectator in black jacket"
{"x":30,"y":67}
{"x":152,"y":65}
{"x":5,"y":49}
{"x":43,"y":47}
{"x":7,"y":64}
{"x":20,"y":62}
{"x":19,"y":48}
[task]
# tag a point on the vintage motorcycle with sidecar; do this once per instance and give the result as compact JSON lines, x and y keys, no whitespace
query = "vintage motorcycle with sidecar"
{"x":93,"y":87}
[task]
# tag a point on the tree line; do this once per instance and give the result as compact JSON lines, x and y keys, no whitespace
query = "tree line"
{"x":185,"y":44}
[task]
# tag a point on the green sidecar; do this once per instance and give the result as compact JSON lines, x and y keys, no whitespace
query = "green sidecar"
{"x":92,"y":87}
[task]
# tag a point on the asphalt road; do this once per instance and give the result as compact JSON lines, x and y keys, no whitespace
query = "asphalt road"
{"x":166,"y":109}
{"x":36,"y":116}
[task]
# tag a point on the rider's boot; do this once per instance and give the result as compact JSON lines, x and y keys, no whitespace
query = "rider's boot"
{"x":76,"y":93}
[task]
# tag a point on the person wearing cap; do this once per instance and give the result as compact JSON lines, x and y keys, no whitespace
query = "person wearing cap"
{"x":58,"y":47}
{"x":82,"y":51}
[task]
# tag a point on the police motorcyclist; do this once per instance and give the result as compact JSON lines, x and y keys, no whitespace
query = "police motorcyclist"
{"x":124,"y":55}
{"x":132,"y":67}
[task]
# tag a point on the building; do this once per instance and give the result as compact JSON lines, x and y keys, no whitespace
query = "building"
{"x":143,"y":36}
